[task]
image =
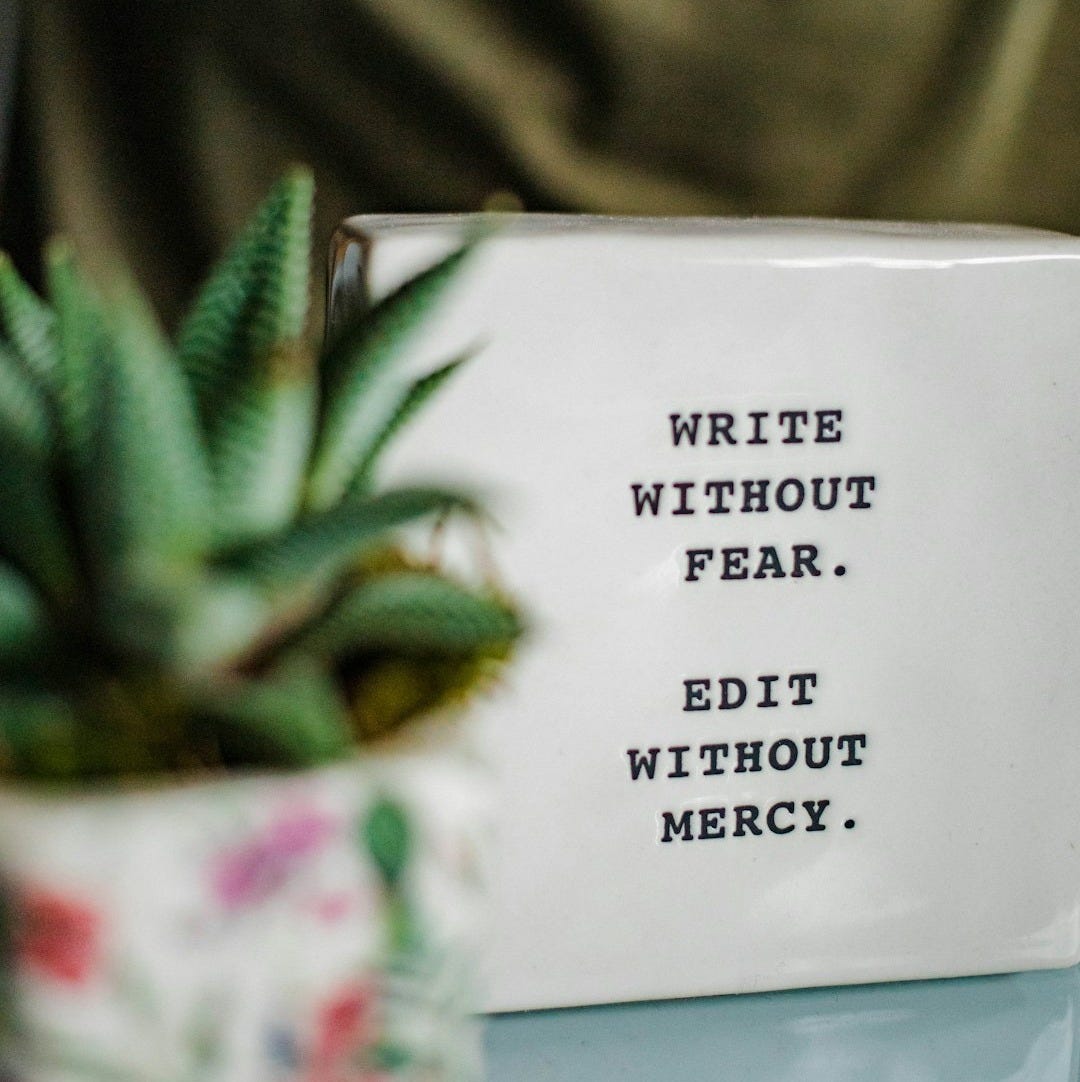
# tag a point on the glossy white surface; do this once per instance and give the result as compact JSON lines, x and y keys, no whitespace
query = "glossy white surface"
{"x":951,"y":642}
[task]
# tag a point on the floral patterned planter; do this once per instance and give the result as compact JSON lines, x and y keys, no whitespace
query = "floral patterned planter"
{"x":318,"y":927}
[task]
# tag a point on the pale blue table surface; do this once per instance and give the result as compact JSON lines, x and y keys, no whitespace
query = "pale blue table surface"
{"x":1015,"y":1028}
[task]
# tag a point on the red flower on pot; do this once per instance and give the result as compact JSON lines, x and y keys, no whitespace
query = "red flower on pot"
{"x":346,"y":1024}
{"x":57,"y":936}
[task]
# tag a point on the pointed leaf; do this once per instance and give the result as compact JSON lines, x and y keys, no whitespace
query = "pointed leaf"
{"x":255,"y":300}
{"x":220,"y":621}
{"x":80,"y":340}
{"x":146,"y":487}
{"x":282,"y":268}
{"x":141,"y":604}
{"x":33,"y":536}
{"x":357,"y":397}
{"x":323,"y":543}
{"x":29,"y":323}
{"x":163,"y":408}
{"x":410,"y":403}
{"x":24,"y":412}
{"x":413,"y":613}
{"x":293,"y":719}
{"x":261,"y":453}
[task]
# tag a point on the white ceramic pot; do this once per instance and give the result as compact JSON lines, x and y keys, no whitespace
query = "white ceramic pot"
{"x":319,"y":927}
{"x":795,"y":506}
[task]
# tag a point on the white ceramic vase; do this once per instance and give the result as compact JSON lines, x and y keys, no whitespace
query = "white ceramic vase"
{"x":318,"y":927}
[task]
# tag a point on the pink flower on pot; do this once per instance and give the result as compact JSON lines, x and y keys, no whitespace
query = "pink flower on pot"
{"x":57,"y":936}
{"x":250,"y":872}
{"x":332,"y":908}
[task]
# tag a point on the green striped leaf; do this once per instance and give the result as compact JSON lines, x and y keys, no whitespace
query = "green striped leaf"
{"x":324,"y":543}
{"x":294,"y":719}
{"x":146,"y":488}
{"x":360,"y":392}
{"x":160,"y":409}
{"x":413,"y":613}
{"x":33,"y":536}
{"x":261,"y":454}
{"x":24,"y":411}
{"x":29,"y":323}
{"x":254,"y":301}
{"x":80,"y":337}
{"x":409,"y":404}
{"x":219,"y":620}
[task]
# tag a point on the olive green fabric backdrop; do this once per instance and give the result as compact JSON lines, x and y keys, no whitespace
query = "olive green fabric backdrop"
{"x":148,"y":128}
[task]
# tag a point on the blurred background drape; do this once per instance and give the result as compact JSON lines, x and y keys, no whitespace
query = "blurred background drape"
{"x":147,"y":129}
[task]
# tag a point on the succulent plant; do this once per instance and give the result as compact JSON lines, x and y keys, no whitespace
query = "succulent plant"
{"x":197,"y":568}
